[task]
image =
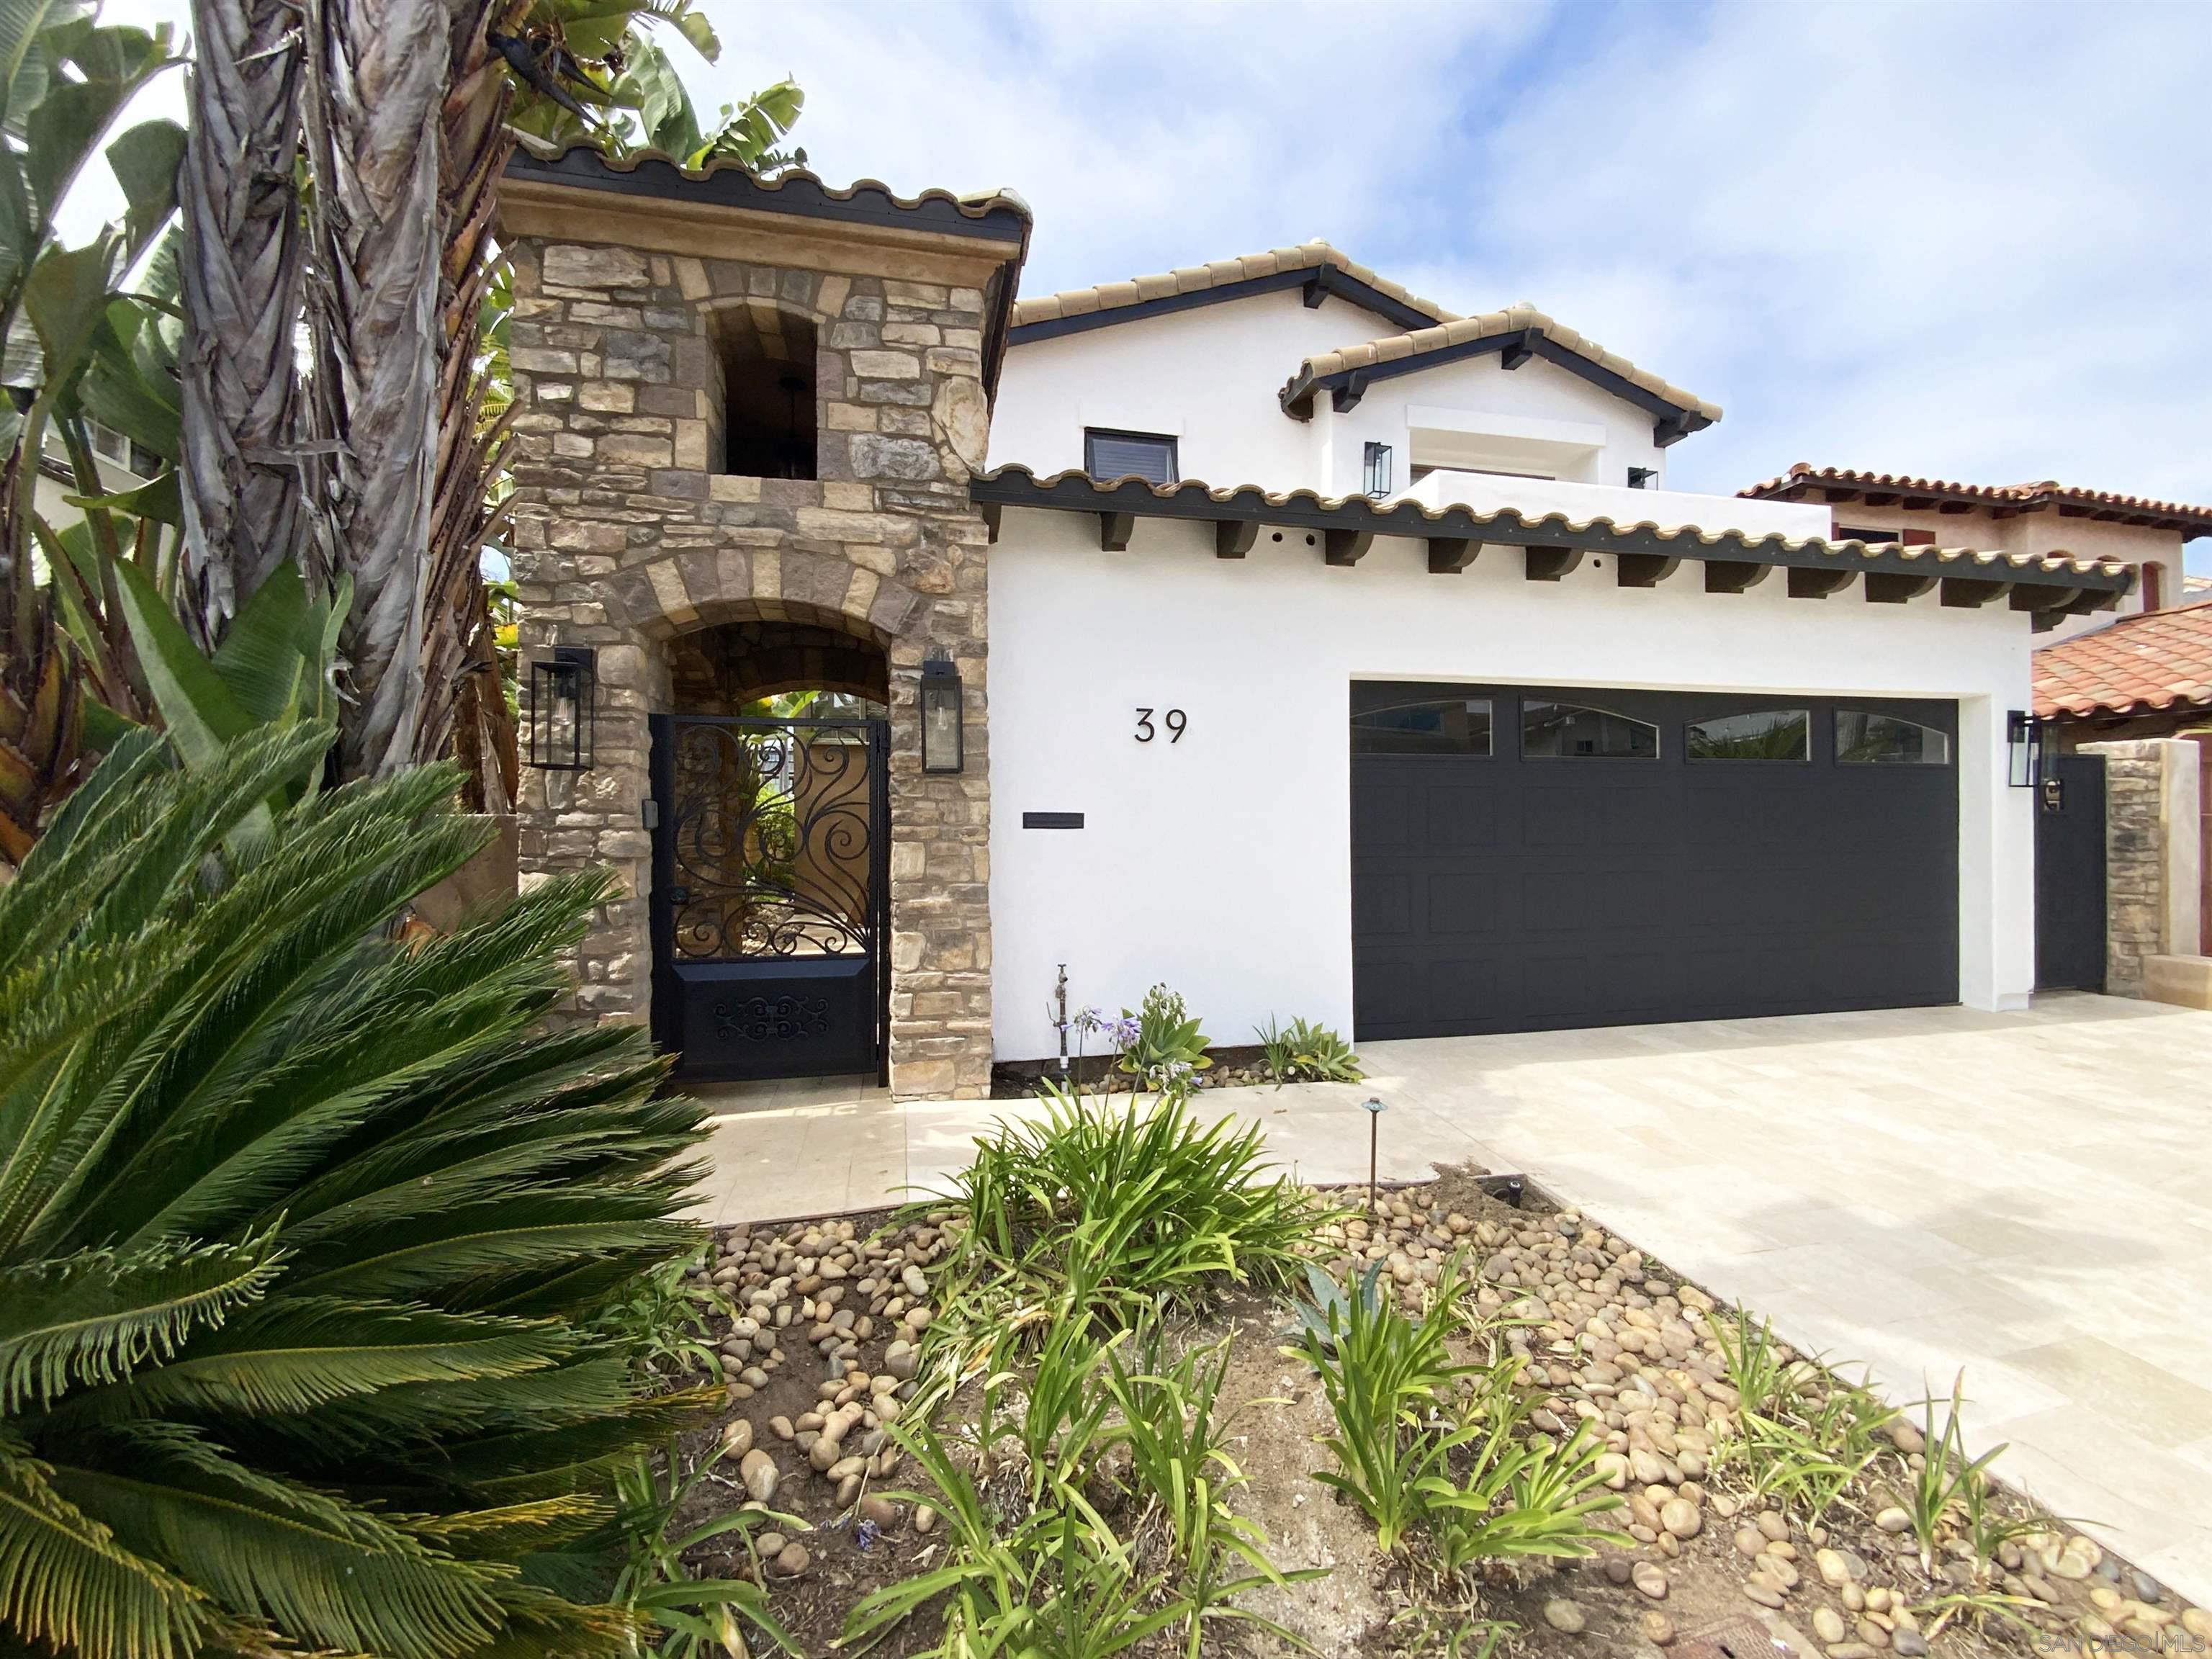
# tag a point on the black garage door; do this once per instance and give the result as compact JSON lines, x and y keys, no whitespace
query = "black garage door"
{"x":1529,"y":859}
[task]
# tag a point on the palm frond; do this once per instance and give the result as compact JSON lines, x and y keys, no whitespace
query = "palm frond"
{"x":301,"y":1229}
{"x":65,"y":1581}
{"x":292,"y":1354}
{"x":96,"y":1318}
{"x":312,"y":1564}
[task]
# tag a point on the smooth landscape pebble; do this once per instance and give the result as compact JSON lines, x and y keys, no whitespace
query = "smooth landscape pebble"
{"x":1562,"y":1614}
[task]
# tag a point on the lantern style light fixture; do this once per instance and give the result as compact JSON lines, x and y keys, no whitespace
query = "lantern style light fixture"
{"x":561,"y":693}
{"x":944,"y":738}
{"x":2024,"y":741}
{"x":1375,"y":471}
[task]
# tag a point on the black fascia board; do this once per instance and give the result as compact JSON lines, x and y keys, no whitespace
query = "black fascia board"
{"x":1332,"y":280}
{"x":1075,"y":493}
{"x":1300,"y":393}
{"x":581,"y":167}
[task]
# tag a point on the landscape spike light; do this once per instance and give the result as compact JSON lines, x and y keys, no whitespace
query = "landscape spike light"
{"x":1374,"y":1108}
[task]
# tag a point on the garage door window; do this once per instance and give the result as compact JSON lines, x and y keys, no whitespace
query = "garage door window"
{"x":1869,"y":739}
{"x":1772,"y":734}
{"x":1443,"y":726}
{"x":1569,"y":730}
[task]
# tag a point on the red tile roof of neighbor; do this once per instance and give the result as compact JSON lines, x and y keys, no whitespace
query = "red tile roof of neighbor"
{"x":2140,"y":665}
{"x":2191,"y":521}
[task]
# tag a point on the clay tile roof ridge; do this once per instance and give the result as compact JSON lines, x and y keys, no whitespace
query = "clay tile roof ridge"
{"x":1396,"y":348}
{"x":974,"y":205}
{"x":1194,"y":279}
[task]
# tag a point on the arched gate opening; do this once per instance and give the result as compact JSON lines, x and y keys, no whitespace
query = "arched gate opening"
{"x":771,"y":841}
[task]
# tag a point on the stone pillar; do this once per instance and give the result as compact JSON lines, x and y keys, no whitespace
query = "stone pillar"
{"x":2152,"y":880}
{"x":627,"y":534}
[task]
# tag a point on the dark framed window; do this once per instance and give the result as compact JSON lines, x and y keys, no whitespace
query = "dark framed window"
{"x":1423,"y":724}
{"x":1775,"y":734}
{"x":1865,"y":738}
{"x":1147,"y":455}
{"x":1903,"y":537}
{"x":1572,"y":731}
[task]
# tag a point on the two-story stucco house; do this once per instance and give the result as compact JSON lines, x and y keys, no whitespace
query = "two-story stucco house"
{"x":1263,"y":629}
{"x":1479,"y":726}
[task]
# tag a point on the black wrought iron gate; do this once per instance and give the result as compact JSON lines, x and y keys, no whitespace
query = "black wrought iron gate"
{"x":770,"y":895}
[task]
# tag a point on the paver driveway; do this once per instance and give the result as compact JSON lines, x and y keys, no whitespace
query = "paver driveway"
{"x":2027,"y":1196}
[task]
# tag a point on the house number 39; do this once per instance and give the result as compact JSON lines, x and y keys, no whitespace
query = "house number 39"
{"x":1175,"y":720}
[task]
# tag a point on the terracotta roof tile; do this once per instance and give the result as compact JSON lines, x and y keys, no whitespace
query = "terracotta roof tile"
{"x":2140,"y":665}
{"x":1195,"y":279}
{"x":2047,"y":492}
{"x":1458,"y":331}
{"x":1978,"y":563}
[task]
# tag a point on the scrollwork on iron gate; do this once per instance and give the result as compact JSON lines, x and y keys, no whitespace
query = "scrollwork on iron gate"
{"x":773,"y":828}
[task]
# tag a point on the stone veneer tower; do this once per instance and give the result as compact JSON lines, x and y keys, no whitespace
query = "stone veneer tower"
{"x":631,"y":532}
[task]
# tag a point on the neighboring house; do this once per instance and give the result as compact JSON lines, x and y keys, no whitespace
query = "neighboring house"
{"x":2027,"y":518}
{"x":1262,"y":629}
{"x":124,"y":467}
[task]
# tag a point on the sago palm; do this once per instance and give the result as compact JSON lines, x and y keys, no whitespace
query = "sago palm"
{"x":297,"y":1227}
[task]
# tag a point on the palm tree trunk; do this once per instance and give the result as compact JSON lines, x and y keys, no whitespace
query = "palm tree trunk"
{"x":242,"y":270}
{"x":376,"y":84}
{"x":461,"y":706}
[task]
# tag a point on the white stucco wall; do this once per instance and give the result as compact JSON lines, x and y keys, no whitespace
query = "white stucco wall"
{"x":1222,"y":864}
{"x":1666,"y":509}
{"x":1209,"y":377}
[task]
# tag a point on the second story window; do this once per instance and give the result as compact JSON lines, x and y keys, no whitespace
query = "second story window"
{"x":1375,"y":471}
{"x":1147,"y":455}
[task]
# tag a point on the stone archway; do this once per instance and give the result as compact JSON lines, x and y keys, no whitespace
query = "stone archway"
{"x":725,"y":666}
{"x":632,"y":538}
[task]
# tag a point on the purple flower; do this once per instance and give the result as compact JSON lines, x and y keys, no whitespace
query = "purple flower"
{"x":865,"y":1535}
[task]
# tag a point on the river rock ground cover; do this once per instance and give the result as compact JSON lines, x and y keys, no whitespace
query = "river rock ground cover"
{"x":1795,"y":1508}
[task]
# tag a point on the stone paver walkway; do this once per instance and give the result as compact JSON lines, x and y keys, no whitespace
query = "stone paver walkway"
{"x":2024,"y":1196}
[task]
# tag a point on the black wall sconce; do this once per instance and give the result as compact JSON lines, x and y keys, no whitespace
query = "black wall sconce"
{"x":2024,"y":741}
{"x":944,"y":736}
{"x":562,"y":692}
{"x":1375,"y":471}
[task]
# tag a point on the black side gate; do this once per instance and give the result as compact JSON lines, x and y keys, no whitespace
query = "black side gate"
{"x":771,"y":893}
{"x":2069,"y":874}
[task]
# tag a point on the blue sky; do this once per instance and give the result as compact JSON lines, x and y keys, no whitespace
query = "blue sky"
{"x":1968,"y":240}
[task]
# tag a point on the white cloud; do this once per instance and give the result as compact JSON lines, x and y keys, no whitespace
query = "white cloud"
{"x":1965,"y":240}
{"x":1144,"y":136}
{"x":1968,"y":240}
